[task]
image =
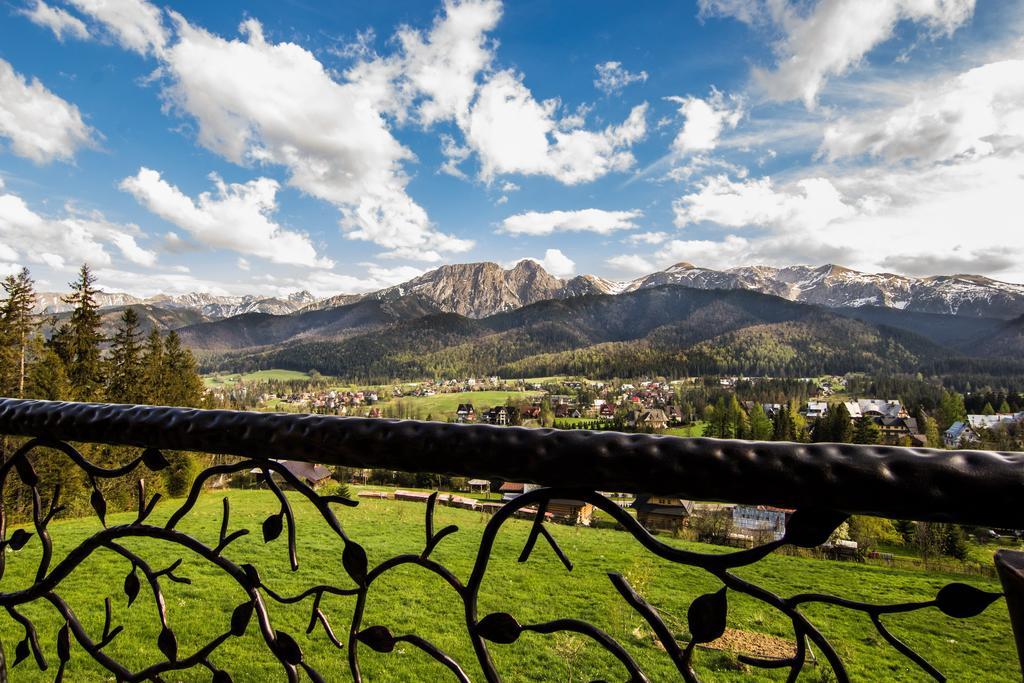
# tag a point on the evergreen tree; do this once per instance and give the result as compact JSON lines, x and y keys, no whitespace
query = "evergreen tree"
{"x":125,"y":381}
{"x":842,"y":424}
{"x":798,"y":421}
{"x":47,"y":378}
{"x":865,"y":431}
{"x":988,"y":409}
{"x":1004,"y":407}
{"x":183,"y":384}
{"x":954,"y":541}
{"x":80,"y":339}
{"x":17,"y":329}
{"x":783,"y":426}
{"x":722,"y":421}
{"x":930,"y":429}
{"x":951,"y":409}
{"x":761,"y":427}
{"x":153,"y":372}
{"x":741,"y":422}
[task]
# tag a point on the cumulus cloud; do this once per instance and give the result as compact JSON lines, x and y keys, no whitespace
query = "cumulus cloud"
{"x":704,"y":121}
{"x":443,"y":65}
{"x":811,"y":203}
{"x":974,"y":113}
{"x":909,"y":219}
{"x":612,"y":77}
{"x":514,"y":133}
{"x":57,"y":20}
{"x":534,"y":223}
{"x":647,"y":238}
{"x":262,"y":102}
{"x":556,"y":263}
{"x":39,"y":125}
{"x":830,"y":37}
{"x":631,"y":264}
{"x":62,"y":242}
{"x":237,"y":217}
{"x":136,"y":24}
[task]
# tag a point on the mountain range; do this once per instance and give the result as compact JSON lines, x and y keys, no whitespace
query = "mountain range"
{"x":481,"y":289}
{"x":210,"y":306}
{"x":481,"y":318}
{"x":667,"y":330}
{"x":478,"y":290}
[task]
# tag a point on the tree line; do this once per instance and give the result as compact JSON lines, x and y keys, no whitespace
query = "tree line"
{"x":78,"y":363}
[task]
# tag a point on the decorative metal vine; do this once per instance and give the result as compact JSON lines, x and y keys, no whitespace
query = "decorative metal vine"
{"x":707,"y":615}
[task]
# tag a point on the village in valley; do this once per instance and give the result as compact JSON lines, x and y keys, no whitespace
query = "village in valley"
{"x":720,"y":407}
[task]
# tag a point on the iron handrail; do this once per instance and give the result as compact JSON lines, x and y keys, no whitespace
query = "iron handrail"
{"x":965,"y":487}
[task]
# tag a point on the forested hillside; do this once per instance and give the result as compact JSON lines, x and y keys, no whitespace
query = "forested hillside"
{"x":665,"y":330}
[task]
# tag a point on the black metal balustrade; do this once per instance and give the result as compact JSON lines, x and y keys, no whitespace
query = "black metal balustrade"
{"x":824,"y":483}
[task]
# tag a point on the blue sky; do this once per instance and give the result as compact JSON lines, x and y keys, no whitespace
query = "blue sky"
{"x":266,"y":147}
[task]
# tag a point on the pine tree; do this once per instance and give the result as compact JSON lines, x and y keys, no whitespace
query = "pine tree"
{"x":154,"y":377}
{"x":842,"y":424}
{"x":865,"y":431}
{"x":951,"y":409}
{"x":798,"y":421}
{"x":125,"y":380}
{"x":741,"y":422}
{"x":80,"y":338}
{"x":988,"y":409}
{"x":761,"y":427}
{"x":722,"y":421}
{"x":931,"y":432}
{"x":183,"y":384}
{"x":47,"y":377}
{"x":17,"y":329}
{"x":783,"y":426}
{"x":1004,"y":407}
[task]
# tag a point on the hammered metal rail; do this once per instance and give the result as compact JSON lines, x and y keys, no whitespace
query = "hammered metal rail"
{"x":573,"y":464}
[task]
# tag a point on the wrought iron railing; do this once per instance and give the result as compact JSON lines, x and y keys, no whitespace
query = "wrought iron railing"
{"x":824,"y":483}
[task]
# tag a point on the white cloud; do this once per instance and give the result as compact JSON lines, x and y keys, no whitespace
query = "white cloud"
{"x":57,"y":20}
{"x":243,"y":264}
{"x":903,"y":219}
{"x":323,"y":283}
{"x":647,"y":238}
{"x":705,"y":120}
{"x":631,"y":264}
{"x":556,"y":263}
{"x":443,"y":65}
{"x":811,"y":203}
{"x":603,"y":222}
{"x":974,"y":113}
{"x":237,"y":217}
{"x":514,"y":133}
{"x":830,"y":37}
{"x":613,"y":78}
{"x":63,"y":242}
{"x":454,"y":154}
{"x":263,"y":102}
{"x":40,"y":125}
{"x":136,"y":24}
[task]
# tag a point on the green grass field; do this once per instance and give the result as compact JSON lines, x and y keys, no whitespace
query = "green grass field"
{"x":442,"y":406}
{"x":411,"y":600}
{"x":227,"y":380}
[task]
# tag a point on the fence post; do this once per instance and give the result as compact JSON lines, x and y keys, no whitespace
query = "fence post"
{"x":1010,"y":564}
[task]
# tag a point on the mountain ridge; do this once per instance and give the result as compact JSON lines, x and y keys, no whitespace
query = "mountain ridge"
{"x":482,"y":289}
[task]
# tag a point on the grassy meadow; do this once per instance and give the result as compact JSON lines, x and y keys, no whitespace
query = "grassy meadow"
{"x":443,"y":406}
{"x":410,"y":600}
{"x":231,"y":379}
